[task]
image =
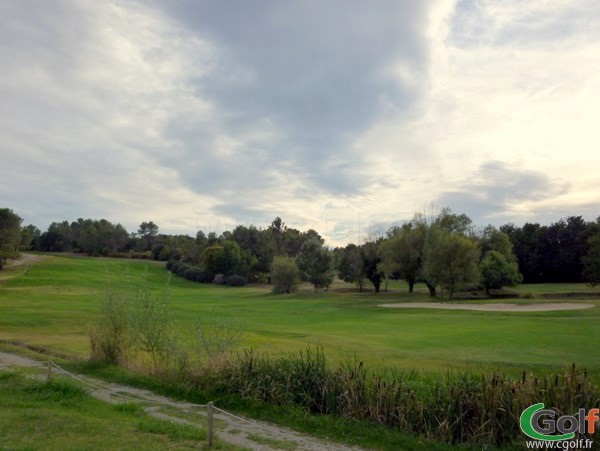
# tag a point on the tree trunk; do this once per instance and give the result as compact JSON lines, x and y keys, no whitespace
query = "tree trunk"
{"x":411,"y":285}
{"x":432,"y":291}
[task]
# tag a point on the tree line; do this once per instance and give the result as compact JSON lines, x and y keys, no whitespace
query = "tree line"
{"x":446,"y":251}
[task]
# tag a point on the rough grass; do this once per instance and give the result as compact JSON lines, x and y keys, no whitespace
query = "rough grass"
{"x":53,"y":304}
{"x":59,"y":415}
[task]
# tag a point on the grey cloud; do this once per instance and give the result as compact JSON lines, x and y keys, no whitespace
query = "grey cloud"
{"x":318,"y":71}
{"x":513,"y":23}
{"x":495,"y":185}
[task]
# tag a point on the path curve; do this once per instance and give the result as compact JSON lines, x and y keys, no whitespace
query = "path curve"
{"x":233,"y":429}
{"x":503,"y":307}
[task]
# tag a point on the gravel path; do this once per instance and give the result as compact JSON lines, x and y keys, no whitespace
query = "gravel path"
{"x":230,"y":428}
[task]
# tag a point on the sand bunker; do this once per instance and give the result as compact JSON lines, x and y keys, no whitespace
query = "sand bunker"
{"x":547,"y":307}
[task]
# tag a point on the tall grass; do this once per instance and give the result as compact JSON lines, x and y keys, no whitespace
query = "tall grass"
{"x":457,"y":408}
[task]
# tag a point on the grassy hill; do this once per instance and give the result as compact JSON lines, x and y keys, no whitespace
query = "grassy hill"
{"x":52,"y":303}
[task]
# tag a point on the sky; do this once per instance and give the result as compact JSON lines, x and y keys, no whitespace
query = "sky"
{"x":344,"y":116}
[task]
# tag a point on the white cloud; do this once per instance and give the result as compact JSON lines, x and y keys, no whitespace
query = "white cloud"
{"x":491,"y":94}
{"x":208,"y":116}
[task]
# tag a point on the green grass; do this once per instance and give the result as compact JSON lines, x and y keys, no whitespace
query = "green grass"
{"x":557,"y":288}
{"x":53,"y":304}
{"x":60,"y":416}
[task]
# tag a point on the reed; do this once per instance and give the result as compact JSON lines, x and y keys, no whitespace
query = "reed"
{"x":461,"y":407}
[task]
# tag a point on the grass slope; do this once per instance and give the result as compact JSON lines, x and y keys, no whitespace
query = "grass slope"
{"x":60,"y":416}
{"x":52,"y":304}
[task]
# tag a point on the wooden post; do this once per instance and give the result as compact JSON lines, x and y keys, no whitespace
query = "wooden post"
{"x":49,"y":372}
{"x":209,"y":418}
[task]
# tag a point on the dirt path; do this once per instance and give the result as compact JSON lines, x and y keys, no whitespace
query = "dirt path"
{"x":230,"y":428}
{"x":546,"y":307}
{"x":25,"y":260}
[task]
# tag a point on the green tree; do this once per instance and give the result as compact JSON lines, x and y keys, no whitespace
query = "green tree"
{"x":371,"y":262}
{"x":147,"y":229}
{"x":10,"y":235}
{"x":453,"y":223}
{"x":591,"y":260}
{"x":314,"y":263}
{"x":450,"y":261}
{"x":285,"y":275}
{"x":351,"y":267}
{"x":402,"y":252}
{"x":30,"y":236}
{"x":499,"y":266}
{"x":278,"y":229}
{"x":497,"y":271}
{"x":221,"y":258}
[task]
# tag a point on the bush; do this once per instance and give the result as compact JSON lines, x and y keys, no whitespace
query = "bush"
{"x":284,"y":275}
{"x":262,"y":278}
{"x":134,"y":323}
{"x":202,"y":277}
{"x":110,"y":338}
{"x":236,"y":281}
{"x":219,"y":279}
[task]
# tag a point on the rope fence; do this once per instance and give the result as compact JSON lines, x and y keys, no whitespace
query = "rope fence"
{"x":210,"y":408}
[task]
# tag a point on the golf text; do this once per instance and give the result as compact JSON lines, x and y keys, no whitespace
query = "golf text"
{"x":541,"y":424}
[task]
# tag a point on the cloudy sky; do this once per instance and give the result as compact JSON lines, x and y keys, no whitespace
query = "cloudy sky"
{"x":337,"y":115}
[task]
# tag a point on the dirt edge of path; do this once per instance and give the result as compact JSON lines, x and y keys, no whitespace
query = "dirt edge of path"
{"x":233,"y":429}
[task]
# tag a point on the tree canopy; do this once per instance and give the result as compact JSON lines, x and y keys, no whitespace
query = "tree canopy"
{"x":10,"y":235}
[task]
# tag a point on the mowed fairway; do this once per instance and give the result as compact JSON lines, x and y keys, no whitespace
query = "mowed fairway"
{"x":53,"y":303}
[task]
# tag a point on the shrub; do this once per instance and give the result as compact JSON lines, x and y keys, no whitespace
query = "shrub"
{"x":134,"y":322}
{"x":284,"y":275}
{"x":236,"y":281}
{"x":219,"y":279}
{"x":262,"y":278}
{"x":110,"y":337}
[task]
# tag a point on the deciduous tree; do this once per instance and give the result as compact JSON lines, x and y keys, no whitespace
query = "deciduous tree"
{"x":351,"y":267}
{"x":10,"y":235}
{"x":591,"y":261}
{"x":450,"y":261}
{"x":314,"y":263}
{"x":497,"y":271}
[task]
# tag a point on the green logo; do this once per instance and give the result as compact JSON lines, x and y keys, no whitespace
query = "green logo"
{"x":530,"y":424}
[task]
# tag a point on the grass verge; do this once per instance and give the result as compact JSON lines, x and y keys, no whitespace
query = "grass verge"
{"x":59,"y":415}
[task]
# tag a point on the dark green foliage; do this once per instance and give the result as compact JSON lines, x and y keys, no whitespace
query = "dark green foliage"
{"x":497,"y":271}
{"x":30,"y":238}
{"x":402,"y":252}
{"x":10,"y":235}
{"x":189,"y":272}
{"x":351,"y":267}
{"x":147,"y":229}
{"x":591,"y":260}
{"x":554,"y":253}
{"x":371,"y":260}
{"x":222,"y":258}
{"x":236,"y":281}
{"x":450,"y":260}
{"x":315,"y":264}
